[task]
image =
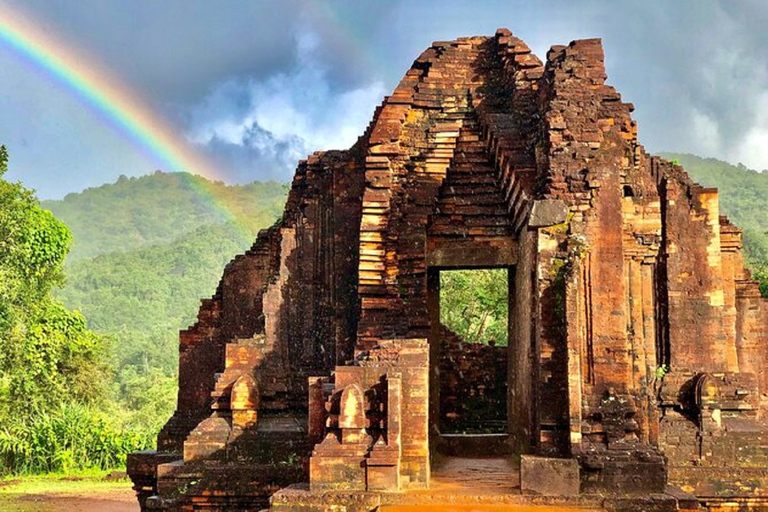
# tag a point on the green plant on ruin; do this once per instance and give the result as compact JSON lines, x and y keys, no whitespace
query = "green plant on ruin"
{"x":575,"y":248}
{"x":560,"y":271}
{"x":290,"y":460}
{"x":183,"y":489}
{"x":560,"y":229}
{"x":661,"y":371}
{"x":578,"y":246}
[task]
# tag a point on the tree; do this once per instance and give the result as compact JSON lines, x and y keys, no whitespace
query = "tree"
{"x":47,"y":354}
{"x":475,"y":304}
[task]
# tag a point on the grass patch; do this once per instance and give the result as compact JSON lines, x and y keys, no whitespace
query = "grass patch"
{"x":85,"y":482}
{"x":88,"y":491}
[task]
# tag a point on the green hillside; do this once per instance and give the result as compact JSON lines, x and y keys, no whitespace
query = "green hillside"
{"x":743,"y":197}
{"x":158,"y":208}
{"x":146,"y":250}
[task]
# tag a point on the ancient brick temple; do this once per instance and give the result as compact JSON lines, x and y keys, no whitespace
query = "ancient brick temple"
{"x":318,"y":377}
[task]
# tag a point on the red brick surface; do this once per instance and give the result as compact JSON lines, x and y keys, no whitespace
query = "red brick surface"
{"x":637,"y":340}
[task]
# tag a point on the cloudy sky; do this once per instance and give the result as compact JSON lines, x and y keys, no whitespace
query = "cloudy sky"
{"x":254,"y":85}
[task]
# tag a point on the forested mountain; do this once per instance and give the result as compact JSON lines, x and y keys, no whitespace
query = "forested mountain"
{"x":159,"y":208}
{"x":146,"y":250}
{"x":743,"y":198}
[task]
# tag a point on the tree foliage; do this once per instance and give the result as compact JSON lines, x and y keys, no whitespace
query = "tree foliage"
{"x":475,"y":304}
{"x":49,"y":360}
{"x":47,"y":353}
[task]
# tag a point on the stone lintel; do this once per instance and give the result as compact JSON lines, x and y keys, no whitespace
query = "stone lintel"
{"x":494,"y":252}
{"x":547,"y":212}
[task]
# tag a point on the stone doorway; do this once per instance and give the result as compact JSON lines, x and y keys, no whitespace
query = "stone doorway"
{"x":470,"y":332}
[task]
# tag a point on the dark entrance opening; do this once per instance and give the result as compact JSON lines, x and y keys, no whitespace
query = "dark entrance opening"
{"x":472,"y":337}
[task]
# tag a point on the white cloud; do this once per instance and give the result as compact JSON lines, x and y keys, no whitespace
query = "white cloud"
{"x":706,"y":133}
{"x":281,"y":118}
{"x":752,"y":148}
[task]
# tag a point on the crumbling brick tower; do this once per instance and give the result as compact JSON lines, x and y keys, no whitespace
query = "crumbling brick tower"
{"x":637,"y":353}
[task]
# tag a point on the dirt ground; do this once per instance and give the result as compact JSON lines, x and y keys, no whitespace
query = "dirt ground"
{"x":113,"y":500}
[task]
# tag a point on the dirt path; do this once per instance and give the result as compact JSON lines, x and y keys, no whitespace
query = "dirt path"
{"x":103,"y":501}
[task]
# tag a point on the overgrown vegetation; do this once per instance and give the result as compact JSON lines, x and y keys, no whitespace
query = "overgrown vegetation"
{"x":71,"y":437}
{"x":475,"y":304}
{"x":52,"y":367}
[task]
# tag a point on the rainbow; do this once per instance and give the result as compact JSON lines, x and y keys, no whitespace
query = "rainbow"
{"x":117,"y":106}
{"x":114,"y":102}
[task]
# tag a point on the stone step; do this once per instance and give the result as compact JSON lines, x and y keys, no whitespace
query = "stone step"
{"x":475,"y":168}
{"x":480,"y":221}
{"x":462,"y":231}
{"x":468,"y":211}
{"x":485,"y":178}
{"x":454,"y":499}
{"x":473,"y":175}
{"x":477,"y":199}
{"x":471,"y":158}
{"x":469,"y":188}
